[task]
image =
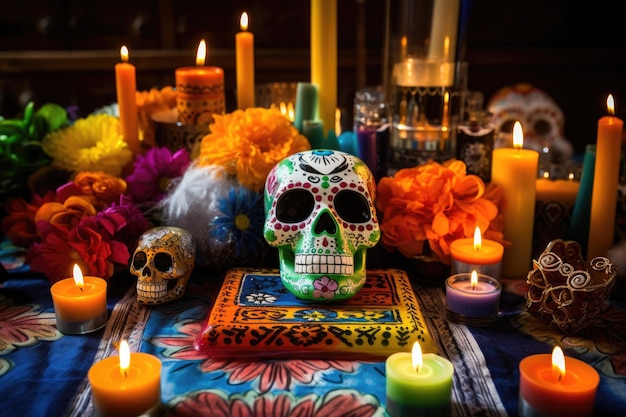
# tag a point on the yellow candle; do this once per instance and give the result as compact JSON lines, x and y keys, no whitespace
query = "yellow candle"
{"x":605,"y":182}
{"x":199,"y":91}
{"x":80,"y":303}
{"x":126,"y":386}
{"x":564,"y":191}
{"x":515,"y":171}
{"x":324,"y":58}
{"x":244,"y":47}
{"x":126,"y":87}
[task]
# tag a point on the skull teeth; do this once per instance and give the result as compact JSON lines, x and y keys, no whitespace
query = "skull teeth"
{"x":151,"y":291}
{"x":324,"y":264}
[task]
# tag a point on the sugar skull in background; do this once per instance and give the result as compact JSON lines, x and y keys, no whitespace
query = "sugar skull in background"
{"x":320,"y":215}
{"x":541,"y":118}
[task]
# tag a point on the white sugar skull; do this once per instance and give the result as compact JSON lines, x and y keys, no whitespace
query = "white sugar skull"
{"x":163,"y":262}
{"x":320,"y":215}
{"x":541,"y":118}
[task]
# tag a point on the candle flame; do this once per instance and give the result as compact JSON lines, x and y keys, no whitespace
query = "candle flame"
{"x":416,"y":356}
{"x":518,"y":136}
{"x":478,"y":239}
{"x":124,"y":53}
{"x":201,"y":54}
{"x":243,"y":21}
{"x":78,"y":277}
{"x":558,"y":362}
{"x":124,"y":357}
{"x":474,"y":280}
{"x":610,"y":104}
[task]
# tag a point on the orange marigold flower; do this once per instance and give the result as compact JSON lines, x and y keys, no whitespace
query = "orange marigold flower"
{"x":427,"y":207}
{"x":249,"y":143}
{"x":104,"y":187}
{"x":68,"y":213}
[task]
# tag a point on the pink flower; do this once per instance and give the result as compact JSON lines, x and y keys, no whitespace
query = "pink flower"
{"x":324,"y":287}
{"x":153,"y":173}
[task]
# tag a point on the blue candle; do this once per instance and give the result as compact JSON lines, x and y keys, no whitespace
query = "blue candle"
{"x":479,"y":298}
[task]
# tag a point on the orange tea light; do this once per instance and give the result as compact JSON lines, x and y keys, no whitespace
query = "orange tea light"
{"x":553,"y":385}
{"x":128,"y":385}
{"x":80,"y":303}
{"x":476,"y":254}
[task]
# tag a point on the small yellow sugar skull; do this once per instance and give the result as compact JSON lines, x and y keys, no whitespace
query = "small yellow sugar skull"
{"x":163,"y":262}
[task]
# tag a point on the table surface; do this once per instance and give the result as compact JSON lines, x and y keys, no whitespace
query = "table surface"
{"x":46,"y":370}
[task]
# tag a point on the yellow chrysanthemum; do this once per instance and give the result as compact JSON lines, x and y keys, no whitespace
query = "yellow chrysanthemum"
{"x":94,"y":143}
{"x":249,"y":143}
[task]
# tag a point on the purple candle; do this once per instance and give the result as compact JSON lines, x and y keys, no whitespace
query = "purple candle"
{"x":479,"y":299}
{"x":366,"y":137}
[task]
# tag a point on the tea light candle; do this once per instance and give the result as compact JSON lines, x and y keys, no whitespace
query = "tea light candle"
{"x":126,"y":386}
{"x":126,"y":89}
{"x":477,"y":254}
{"x":418,"y":384}
{"x":244,"y":51}
{"x":199,"y":91}
{"x":473,"y":299}
{"x":605,"y":183}
{"x":80,"y":303}
{"x":515,"y":171}
{"x":553,"y":385}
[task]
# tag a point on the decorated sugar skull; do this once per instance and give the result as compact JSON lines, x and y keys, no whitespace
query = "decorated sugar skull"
{"x":163,"y":262}
{"x":541,"y":118}
{"x":320,"y":215}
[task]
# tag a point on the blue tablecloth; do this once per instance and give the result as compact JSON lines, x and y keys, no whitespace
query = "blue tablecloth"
{"x":43,"y":372}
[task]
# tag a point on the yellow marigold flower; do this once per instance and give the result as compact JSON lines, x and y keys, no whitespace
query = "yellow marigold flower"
{"x":249,"y":143}
{"x":91,"y":144}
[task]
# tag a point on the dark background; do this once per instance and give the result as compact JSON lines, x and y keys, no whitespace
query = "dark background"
{"x":64,"y":51}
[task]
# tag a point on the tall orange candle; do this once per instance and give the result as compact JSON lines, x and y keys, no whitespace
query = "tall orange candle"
{"x":553,"y":385}
{"x":199,"y":91}
{"x":80,"y":303}
{"x":515,"y":171}
{"x":125,"y":386}
{"x":126,"y":88}
{"x":244,"y":51}
{"x":324,"y":58}
{"x":477,"y":254}
{"x":605,"y":183}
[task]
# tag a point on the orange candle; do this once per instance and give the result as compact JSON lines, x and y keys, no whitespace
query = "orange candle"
{"x":515,"y":171}
{"x":80,"y":303}
{"x":605,"y":183}
{"x":199,"y":91}
{"x":476,"y":254}
{"x":126,"y":87}
{"x":553,"y":385}
{"x":244,"y":50}
{"x":564,"y":191}
{"x":324,"y":58}
{"x":126,"y":386}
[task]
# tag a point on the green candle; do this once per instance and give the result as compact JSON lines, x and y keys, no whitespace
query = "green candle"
{"x":415,"y":388}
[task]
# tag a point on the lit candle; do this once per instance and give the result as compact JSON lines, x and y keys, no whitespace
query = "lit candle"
{"x":199,"y":91}
{"x":80,"y":303}
{"x":605,"y":183}
{"x":473,"y":298}
{"x":126,"y":88}
{"x":553,"y":385}
{"x":324,"y":58}
{"x":244,"y":50}
{"x":515,"y":171}
{"x":126,"y":386}
{"x":418,"y":384}
{"x":476,"y":254}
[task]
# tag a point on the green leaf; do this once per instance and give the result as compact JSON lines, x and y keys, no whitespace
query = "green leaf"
{"x":29,"y":111}
{"x":54,"y":114}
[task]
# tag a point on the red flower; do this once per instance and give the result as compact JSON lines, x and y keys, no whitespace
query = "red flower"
{"x":19,"y":224}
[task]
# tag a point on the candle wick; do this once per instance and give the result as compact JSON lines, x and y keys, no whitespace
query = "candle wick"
{"x":560,"y":376}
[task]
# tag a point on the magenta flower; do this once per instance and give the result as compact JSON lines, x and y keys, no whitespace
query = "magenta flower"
{"x":324,"y":287}
{"x":153,"y":173}
{"x":135,"y":223}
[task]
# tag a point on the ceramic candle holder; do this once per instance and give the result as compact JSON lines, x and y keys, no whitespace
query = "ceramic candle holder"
{"x":174,"y":135}
{"x":477,"y":306}
{"x":565,"y":292}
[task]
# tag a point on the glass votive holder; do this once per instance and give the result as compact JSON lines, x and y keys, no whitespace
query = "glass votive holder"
{"x":491,"y":269}
{"x":80,"y":310}
{"x":174,"y":135}
{"x":473,"y":304}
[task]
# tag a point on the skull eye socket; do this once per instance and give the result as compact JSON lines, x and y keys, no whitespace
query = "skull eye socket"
{"x":542,"y":127}
{"x":352,"y":206}
{"x":294,"y":206}
{"x":163,"y":262}
{"x":140,"y":259}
